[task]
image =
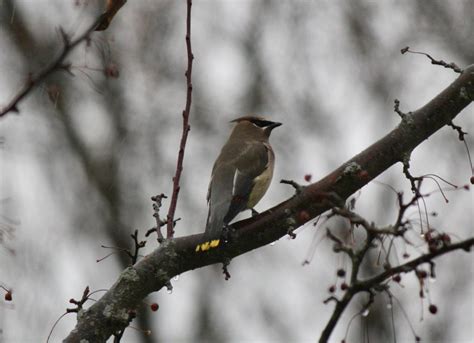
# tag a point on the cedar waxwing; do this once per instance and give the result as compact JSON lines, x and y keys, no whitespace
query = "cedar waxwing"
{"x":241,"y":174}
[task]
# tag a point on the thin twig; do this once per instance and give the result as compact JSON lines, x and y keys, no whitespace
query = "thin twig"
{"x":57,"y":64}
{"x":112,"y":8}
{"x":451,"y":65}
{"x":137,"y":246}
{"x":298,"y":188}
{"x":157,"y":202}
{"x":465,"y":245}
{"x":186,"y":127}
{"x":79,"y":303}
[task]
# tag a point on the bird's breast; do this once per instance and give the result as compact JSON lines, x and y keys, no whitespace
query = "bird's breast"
{"x":262,"y":182}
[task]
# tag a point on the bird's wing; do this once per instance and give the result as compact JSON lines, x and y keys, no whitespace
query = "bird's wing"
{"x":232,"y":181}
{"x":248,"y":166}
{"x":219,"y":197}
{"x":231,"y":158}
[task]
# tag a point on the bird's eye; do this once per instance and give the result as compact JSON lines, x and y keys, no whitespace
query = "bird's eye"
{"x":261,"y":123}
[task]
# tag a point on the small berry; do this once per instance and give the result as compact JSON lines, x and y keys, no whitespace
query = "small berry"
{"x":446,"y":239}
{"x":406,"y":255}
{"x":341,"y":272}
{"x":53,"y":92}
{"x":417,"y":338}
{"x":363,"y":175}
{"x":422,"y":274}
{"x":397,"y":278}
{"x":303,"y":216}
{"x":428,"y":236}
{"x":344,"y":286}
{"x":433,"y":309}
{"x":8,"y":296}
{"x":154,"y":307}
{"x":472,"y":180}
{"x":112,"y":71}
{"x":332,"y":289}
{"x":308,"y":177}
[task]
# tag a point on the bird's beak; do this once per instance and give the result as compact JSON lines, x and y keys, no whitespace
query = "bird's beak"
{"x":273,"y":125}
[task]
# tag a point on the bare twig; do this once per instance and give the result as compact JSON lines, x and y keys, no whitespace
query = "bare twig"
{"x":111,"y":10}
{"x":339,"y":244}
{"x":35,"y":79}
{"x":396,"y":108}
{"x":137,"y":246}
{"x":298,"y":188}
{"x":461,"y":137}
{"x":465,"y":245}
{"x":186,"y":126}
{"x":55,"y":65}
{"x":459,"y":129}
{"x":133,"y":255}
{"x":451,"y":65}
{"x":79,"y":303}
{"x":157,"y":202}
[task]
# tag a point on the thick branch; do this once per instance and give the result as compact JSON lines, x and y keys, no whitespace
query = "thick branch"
{"x":178,"y":255}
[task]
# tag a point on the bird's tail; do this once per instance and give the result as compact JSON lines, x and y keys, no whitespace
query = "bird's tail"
{"x":215,"y":222}
{"x":214,"y":227}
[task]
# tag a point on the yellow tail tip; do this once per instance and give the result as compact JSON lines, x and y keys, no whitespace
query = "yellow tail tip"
{"x":207,"y":245}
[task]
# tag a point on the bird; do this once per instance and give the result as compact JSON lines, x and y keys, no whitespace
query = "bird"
{"x":241,"y":174}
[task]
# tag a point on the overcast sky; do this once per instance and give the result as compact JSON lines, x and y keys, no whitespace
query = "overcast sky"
{"x":77,"y":171}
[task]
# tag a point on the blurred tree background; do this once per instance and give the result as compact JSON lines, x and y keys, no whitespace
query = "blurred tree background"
{"x":80,"y":162}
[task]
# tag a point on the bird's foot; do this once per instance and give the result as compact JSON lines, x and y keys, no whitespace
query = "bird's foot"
{"x":254,"y":213}
{"x":226,"y":235}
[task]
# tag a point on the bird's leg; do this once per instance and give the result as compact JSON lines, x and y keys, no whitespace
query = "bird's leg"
{"x":226,"y":233}
{"x":254,"y":213}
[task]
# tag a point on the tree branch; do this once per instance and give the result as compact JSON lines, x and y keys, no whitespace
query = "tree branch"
{"x":57,"y":64}
{"x":176,"y":256}
{"x":111,"y":10}
{"x":186,"y":127}
{"x":367,"y":285}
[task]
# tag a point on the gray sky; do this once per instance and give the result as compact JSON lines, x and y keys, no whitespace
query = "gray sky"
{"x":79,"y":172}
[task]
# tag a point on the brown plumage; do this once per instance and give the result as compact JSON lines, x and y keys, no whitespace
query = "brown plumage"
{"x":242,"y":172}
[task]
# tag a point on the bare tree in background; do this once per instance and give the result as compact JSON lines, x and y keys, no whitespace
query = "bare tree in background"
{"x":119,"y":203}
